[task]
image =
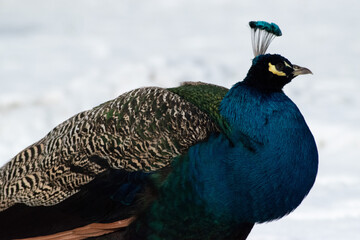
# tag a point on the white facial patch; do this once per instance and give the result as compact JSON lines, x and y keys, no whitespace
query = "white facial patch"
{"x":288,"y":65}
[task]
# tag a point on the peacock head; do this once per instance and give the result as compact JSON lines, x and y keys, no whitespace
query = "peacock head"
{"x":270,"y":72}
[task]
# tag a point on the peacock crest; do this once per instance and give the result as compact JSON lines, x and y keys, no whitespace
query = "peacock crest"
{"x":262,"y":33}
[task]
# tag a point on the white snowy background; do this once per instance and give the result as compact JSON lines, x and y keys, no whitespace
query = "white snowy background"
{"x":60,"y":57}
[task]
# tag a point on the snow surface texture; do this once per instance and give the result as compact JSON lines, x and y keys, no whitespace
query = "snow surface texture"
{"x":60,"y":57}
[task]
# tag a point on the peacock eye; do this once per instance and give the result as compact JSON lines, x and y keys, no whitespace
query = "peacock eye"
{"x":280,"y":66}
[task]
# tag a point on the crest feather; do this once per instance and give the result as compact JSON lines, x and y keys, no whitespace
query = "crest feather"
{"x":262,"y":33}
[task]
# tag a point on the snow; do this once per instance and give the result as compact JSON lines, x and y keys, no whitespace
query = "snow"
{"x":60,"y":57}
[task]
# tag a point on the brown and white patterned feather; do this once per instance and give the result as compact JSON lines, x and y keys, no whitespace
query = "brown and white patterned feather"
{"x":140,"y":130}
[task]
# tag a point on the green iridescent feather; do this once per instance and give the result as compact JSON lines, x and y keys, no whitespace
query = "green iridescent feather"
{"x":207,"y":97}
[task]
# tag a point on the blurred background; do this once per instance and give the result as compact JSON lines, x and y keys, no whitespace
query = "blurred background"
{"x":60,"y":57}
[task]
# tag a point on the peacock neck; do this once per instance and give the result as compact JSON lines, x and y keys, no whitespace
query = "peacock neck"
{"x":248,"y":111}
{"x":271,"y":164}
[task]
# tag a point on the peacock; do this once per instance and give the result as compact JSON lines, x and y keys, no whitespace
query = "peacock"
{"x":197,"y":161}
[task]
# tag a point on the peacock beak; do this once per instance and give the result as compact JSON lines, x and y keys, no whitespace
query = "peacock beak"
{"x":300,"y":70}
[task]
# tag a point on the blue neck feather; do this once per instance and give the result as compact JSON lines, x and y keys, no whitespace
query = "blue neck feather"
{"x":268,"y":180}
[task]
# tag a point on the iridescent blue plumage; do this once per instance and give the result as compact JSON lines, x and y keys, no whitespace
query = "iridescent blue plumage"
{"x":282,"y":169}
